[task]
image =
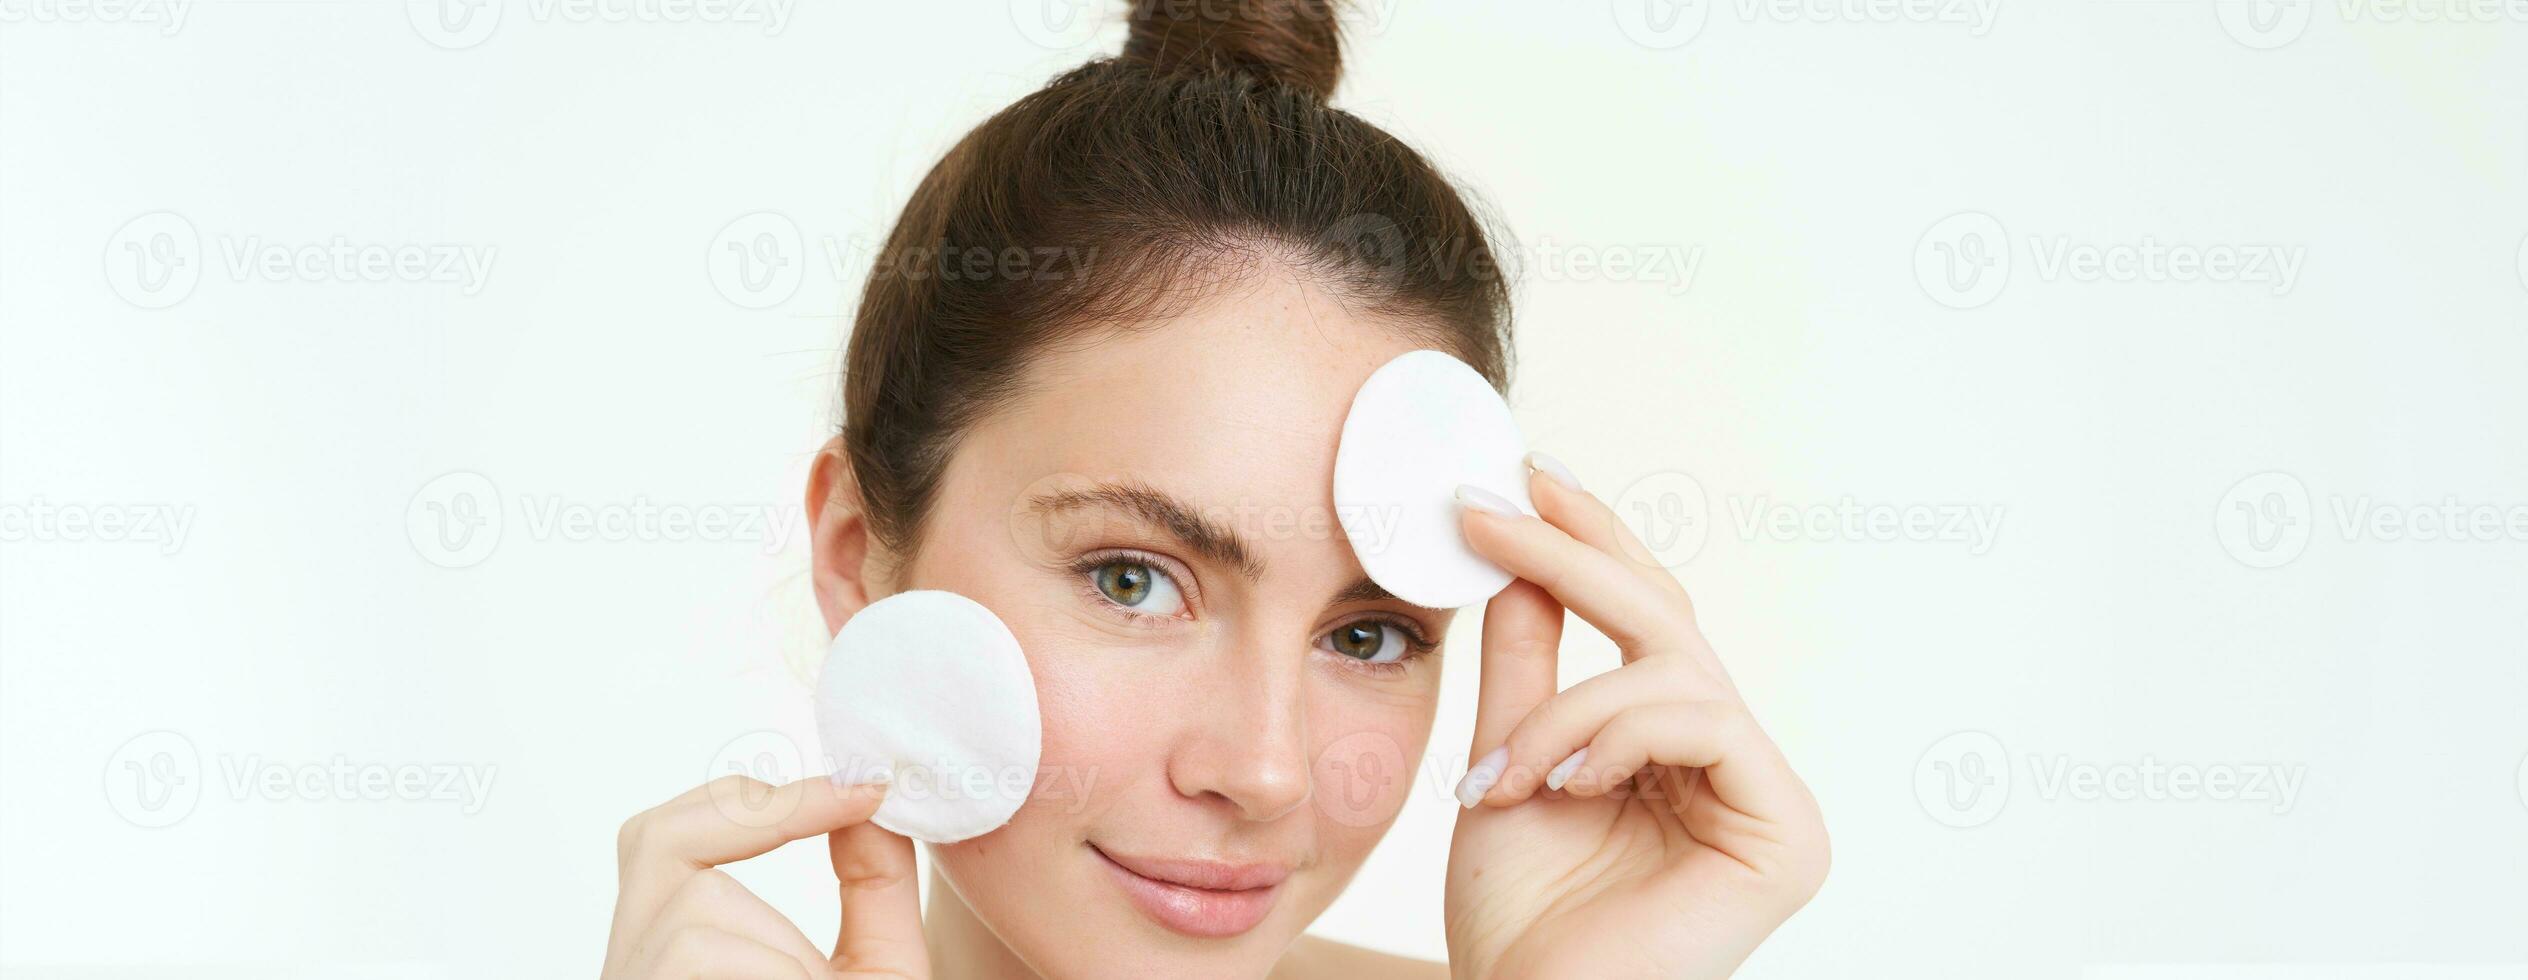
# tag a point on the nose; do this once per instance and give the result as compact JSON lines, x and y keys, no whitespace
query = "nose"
{"x":1247,"y":739}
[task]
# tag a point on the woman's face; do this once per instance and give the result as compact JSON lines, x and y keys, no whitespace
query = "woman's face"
{"x":1231,"y":708}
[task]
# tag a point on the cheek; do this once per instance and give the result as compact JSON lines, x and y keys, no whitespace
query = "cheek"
{"x":1364,"y":766}
{"x":1093,"y":700}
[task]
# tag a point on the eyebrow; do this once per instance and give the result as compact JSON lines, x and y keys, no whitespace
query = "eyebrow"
{"x":1186,"y":523}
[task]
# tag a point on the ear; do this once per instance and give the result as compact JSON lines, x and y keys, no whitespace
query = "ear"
{"x":846,"y":564}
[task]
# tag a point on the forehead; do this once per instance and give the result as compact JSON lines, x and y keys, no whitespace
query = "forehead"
{"x":1234,"y":406}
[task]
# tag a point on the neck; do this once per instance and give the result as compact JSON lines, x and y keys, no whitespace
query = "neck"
{"x":961,"y":946}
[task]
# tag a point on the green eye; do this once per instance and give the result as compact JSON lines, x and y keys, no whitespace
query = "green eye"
{"x":1137,"y":586}
{"x":1128,"y":583}
{"x":1368,"y":640}
{"x":1359,"y":641}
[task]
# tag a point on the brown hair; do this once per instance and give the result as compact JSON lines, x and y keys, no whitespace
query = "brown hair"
{"x":1125,"y":188}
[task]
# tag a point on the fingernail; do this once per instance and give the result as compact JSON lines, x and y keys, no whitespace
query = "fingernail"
{"x":1479,"y":779}
{"x":1553,"y":468}
{"x":876,"y":775}
{"x":1562,"y":773}
{"x":1486,"y":501}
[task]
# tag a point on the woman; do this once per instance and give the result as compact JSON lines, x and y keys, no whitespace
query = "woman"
{"x":1117,"y":430}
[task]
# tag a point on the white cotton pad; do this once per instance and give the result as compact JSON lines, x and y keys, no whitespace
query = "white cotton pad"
{"x":933,"y":686}
{"x":1422,"y":424}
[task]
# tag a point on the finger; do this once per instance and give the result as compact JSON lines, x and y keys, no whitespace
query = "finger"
{"x":1562,"y":503}
{"x":881,"y":933}
{"x":1739,"y":763}
{"x":1590,"y":521}
{"x":1642,"y":618}
{"x":1522,"y":630}
{"x":728,"y":819}
{"x":713,"y":900}
{"x":1564,"y":724}
{"x":739,"y":818}
{"x":699,"y":951}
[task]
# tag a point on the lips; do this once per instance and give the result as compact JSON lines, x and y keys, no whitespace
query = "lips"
{"x":1204,"y":899}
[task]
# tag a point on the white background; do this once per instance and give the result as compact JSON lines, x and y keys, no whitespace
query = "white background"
{"x":2143,"y":604}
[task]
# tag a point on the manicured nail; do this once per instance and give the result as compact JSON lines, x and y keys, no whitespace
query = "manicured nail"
{"x":1479,"y":779}
{"x":1486,"y":501}
{"x":1562,"y":773}
{"x":1553,"y":468}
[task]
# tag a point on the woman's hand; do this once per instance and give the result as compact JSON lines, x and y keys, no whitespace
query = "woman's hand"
{"x":1640,"y":823}
{"x":677,"y":915}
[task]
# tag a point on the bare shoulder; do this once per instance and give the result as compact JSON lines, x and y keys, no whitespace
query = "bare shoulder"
{"x":1314,"y":956}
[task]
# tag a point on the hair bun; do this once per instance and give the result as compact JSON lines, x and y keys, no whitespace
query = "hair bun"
{"x":1294,"y":43}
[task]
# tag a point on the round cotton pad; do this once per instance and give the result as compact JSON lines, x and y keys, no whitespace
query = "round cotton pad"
{"x":933,"y":686}
{"x":1420,"y":426}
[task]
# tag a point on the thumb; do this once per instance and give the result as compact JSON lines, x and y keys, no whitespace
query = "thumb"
{"x":882,"y":904}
